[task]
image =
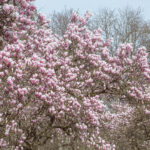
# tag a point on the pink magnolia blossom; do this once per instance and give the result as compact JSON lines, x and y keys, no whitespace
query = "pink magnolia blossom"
{"x":68,"y":90}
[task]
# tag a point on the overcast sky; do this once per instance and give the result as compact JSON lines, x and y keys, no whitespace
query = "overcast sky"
{"x":48,"y":6}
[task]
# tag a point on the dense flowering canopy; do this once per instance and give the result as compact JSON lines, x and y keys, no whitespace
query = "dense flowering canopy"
{"x":66,"y":90}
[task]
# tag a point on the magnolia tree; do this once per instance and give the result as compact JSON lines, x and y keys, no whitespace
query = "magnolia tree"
{"x":68,"y":92}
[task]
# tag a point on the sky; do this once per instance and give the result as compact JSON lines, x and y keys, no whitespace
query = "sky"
{"x":48,"y":6}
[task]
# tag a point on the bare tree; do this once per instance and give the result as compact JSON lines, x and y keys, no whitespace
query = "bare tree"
{"x":124,"y":26}
{"x":60,"y":20}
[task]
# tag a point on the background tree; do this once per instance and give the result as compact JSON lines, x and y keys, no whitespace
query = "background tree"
{"x":60,"y":20}
{"x":124,"y":26}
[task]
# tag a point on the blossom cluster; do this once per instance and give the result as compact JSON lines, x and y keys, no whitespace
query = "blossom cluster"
{"x":66,"y":89}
